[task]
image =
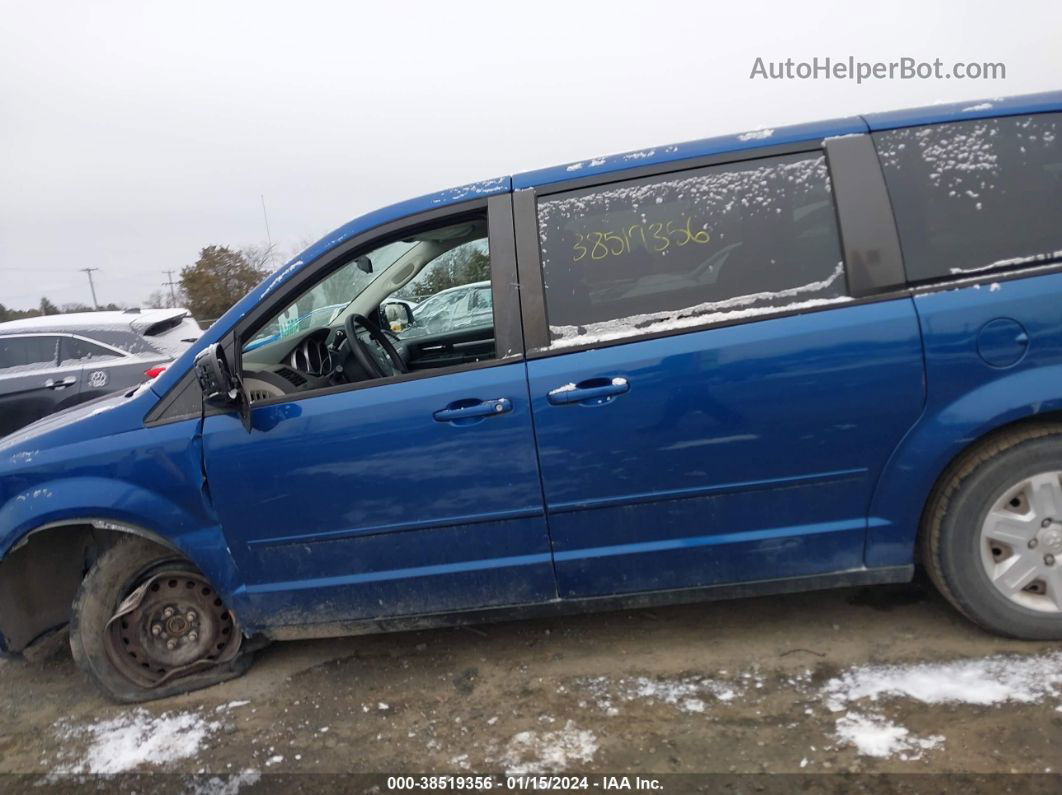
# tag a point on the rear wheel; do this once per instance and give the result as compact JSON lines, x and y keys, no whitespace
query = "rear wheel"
{"x":993,"y":536}
{"x":147,"y":624}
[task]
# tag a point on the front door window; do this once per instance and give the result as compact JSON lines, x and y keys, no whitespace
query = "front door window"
{"x":422,"y":302}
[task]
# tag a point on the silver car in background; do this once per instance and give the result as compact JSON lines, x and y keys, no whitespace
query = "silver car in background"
{"x":465,"y":306}
{"x":52,"y":362}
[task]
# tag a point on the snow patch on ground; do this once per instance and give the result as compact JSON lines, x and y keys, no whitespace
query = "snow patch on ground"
{"x":982,"y":681}
{"x":873,"y":735}
{"x":687,"y":693}
{"x":226,"y":785}
{"x":135,"y":740}
{"x":548,"y":751}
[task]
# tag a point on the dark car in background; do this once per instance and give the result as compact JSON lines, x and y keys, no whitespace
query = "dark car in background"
{"x":53,"y":362}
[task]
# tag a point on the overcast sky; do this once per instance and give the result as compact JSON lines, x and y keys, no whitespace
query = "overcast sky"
{"x":132,"y":134}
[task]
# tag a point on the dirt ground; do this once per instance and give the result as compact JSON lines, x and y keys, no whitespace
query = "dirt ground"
{"x":724,"y":687}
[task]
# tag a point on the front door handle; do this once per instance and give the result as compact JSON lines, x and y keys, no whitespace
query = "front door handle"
{"x":51,"y":383}
{"x":464,"y":411}
{"x":592,"y":392}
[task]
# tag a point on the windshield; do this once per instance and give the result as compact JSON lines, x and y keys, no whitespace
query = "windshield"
{"x":326,"y":300}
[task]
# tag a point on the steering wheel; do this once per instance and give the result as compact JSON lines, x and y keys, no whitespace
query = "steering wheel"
{"x":361,"y":351}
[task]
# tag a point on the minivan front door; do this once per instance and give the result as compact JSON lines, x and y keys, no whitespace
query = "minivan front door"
{"x":364,"y":504}
{"x":407,"y":495}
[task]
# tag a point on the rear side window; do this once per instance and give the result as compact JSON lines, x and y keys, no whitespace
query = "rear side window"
{"x":27,"y":353}
{"x":975,"y":195}
{"x":679,"y":250}
{"x":75,"y":351}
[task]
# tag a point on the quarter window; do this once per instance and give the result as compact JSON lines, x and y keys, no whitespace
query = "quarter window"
{"x":76,"y":351}
{"x":975,"y":195}
{"x":681,"y":250}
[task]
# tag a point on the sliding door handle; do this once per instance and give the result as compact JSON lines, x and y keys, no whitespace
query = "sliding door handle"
{"x":592,"y":392}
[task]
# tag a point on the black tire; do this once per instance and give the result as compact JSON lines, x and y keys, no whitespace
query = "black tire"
{"x":113,"y":576}
{"x":951,"y":528}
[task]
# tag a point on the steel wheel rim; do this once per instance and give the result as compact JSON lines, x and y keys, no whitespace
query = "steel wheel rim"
{"x":1021,"y":543}
{"x":170,"y":624}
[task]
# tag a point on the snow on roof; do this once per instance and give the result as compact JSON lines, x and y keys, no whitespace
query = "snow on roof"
{"x":813,"y":131}
{"x":74,"y":321}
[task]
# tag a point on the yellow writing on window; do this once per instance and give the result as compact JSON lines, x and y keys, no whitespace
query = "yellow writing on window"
{"x":656,"y":237}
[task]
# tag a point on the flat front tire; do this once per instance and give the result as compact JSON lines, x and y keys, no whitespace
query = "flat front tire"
{"x":146,"y":624}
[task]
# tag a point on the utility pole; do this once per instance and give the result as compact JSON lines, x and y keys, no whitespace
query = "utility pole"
{"x":95,"y":303}
{"x":171,"y":283}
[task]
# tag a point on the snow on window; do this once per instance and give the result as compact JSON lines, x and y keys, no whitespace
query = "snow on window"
{"x":975,"y":195}
{"x":739,"y":308}
{"x":1032,"y":259}
{"x":714,"y":244}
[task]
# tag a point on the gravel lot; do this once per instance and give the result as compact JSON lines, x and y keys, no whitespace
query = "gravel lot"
{"x":832,"y":682}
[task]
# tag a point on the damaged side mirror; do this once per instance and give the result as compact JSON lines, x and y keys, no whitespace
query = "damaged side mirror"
{"x":221,"y":387}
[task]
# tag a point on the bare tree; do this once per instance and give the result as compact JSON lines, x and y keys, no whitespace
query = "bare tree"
{"x":157,"y":300}
{"x":262,"y":257}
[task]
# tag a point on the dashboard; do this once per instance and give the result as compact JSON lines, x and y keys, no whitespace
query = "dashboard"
{"x":313,"y":360}
{"x":321,"y":358}
{"x":313,"y":356}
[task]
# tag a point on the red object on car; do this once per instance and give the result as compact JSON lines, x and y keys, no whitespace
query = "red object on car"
{"x":156,"y":371}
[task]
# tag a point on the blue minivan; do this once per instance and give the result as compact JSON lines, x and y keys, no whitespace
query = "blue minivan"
{"x":798,"y":358}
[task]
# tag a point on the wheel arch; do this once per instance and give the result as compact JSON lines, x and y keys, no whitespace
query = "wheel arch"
{"x":933,"y":449}
{"x":41,"y":573}
{"x":57,"y":529}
